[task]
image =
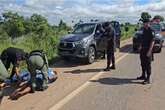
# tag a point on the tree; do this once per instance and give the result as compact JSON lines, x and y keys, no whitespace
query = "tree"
{"x":159,"y":17}
{"x":38,"y":24}
{"x":62,"y":24}
{"x":145,"y":16}
{"x":121,"y":24}
{"x":13,"y":24}
{"x":127,"y":24}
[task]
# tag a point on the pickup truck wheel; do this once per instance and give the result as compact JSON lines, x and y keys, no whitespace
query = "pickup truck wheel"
{"x":91,"y":55}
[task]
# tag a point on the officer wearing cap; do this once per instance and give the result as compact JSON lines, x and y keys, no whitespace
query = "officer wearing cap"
{"x":13,"y":56}
{"x":37,"y":60}
{"x":147,"y":43}
{"x":110,"y":35}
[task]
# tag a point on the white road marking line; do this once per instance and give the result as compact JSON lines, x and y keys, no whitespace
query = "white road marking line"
{"x":79,"y":89}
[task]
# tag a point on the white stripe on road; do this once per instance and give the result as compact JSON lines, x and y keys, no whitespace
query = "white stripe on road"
{"x":79,"y":89}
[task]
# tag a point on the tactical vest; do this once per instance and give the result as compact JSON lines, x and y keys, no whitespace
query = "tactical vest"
{"x":40,"y":53}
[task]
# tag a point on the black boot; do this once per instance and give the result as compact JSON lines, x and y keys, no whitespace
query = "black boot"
{"x":107,"y":69}
{"x":113,"y":67}
{"x":146,"y":81}
{"x":142,"y":77}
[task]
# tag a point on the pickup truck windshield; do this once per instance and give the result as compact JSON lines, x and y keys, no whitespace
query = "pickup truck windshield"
{"x":84,"y":29}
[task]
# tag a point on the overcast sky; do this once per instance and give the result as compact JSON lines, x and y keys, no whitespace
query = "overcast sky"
{"x":54,"y":10}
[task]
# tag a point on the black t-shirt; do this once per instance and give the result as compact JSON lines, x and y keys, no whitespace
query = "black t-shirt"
{"x":147,"y":37}
{"x":110,"y":35}
{"x":14,"y":54}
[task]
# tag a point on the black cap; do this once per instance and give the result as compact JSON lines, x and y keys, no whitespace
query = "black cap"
{"x":146,"y":20}
{"x":106,"y":24}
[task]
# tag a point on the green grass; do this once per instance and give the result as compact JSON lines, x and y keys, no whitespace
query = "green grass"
{"x":32,"y":42}
{"x":129,"y":34}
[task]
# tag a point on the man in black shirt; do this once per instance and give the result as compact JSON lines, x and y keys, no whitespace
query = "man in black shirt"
{"x":147,"y":43}
{"x":14,"y":56}
{"x":110,"y":34}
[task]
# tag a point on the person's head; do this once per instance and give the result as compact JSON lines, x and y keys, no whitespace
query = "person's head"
{"x":52,"y":79}
{"x":25,"y":56}
{"x":106,"y":25}
{"x":146,"y":24}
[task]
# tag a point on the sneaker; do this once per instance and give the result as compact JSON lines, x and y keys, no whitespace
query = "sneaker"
{"x":113,"y":67}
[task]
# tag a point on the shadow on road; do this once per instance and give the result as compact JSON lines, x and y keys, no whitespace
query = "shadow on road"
{"x":68,"y":63}
{"x":127,"y":49}
{"x":73,"y":62}
{"x":78,"y":71}
{"x":117,"y":81}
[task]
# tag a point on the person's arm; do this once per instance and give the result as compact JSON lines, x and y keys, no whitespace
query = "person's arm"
{"x":23,"y":90}
{"x":17,"y":71}
{"x":151,"y":45}
{"x":150,"y":49}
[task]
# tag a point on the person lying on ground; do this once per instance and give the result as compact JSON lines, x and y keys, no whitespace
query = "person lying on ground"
{"x":23,"y":76}
{"x":26,"y":87}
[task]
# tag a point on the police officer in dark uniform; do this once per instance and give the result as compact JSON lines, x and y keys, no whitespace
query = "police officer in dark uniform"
{"x":147,"y":43}
{"x":110,"y":35}
{"x":14,"y":56}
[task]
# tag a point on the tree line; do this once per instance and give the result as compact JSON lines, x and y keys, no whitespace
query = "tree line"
{"x":14,"y":25}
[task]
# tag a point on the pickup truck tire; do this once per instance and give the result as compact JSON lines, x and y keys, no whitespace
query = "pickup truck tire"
{"x":91,"y":55}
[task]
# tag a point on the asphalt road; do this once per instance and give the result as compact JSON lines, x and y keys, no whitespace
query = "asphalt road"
{"x":118,"y":90}
{"x":87,"y":87}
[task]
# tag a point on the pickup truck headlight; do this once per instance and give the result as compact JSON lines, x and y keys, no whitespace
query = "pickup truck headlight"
{"x":79,"y":42}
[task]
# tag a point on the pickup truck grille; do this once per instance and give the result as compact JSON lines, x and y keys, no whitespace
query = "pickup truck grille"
{"x":67,"y":45}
